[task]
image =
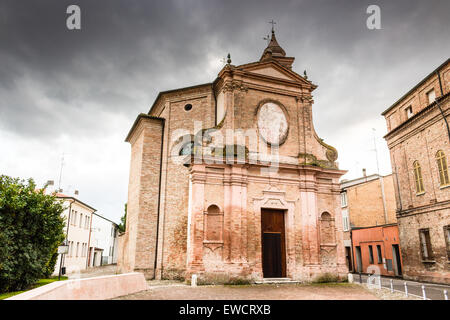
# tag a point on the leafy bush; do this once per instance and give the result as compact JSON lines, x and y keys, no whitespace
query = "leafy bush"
{"x":50,"y":265}
{"x":31,"y":228}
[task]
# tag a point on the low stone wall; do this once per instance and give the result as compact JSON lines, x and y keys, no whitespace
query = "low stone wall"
{"x":98,"y":288}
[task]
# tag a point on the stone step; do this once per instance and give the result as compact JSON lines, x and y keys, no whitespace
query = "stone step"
{"x":276,"y":280}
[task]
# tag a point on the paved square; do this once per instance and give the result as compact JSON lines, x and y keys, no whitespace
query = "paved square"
{"x":341,"y":291}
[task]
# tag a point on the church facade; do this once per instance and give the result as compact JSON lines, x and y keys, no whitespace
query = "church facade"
{"x":230,"y":180}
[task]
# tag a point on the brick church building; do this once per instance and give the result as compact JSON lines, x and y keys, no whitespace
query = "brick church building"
{"x":229,"y":180}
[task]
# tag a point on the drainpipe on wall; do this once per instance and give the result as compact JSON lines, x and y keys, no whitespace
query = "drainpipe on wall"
{"x":62,"y":262}
{"x":351,"y":250}
{"x":159,"y":199}
{"x":89,"y":241}
{"x":439,"y":105}
{"x":383,"y":197}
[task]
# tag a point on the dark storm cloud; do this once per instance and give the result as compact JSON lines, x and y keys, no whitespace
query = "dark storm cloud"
{"x":78,"y":92}
{"x":53,"y":80}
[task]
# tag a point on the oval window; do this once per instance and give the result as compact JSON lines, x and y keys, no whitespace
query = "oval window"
{"x":272,"y":123}
{"x":188,"y":107}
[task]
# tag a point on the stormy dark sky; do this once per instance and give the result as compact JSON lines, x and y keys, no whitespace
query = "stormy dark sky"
{"x":78,"y":92}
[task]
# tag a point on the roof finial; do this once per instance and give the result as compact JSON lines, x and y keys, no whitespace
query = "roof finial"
{"x":272,"y":23}
{"x":306,"y":76}
{"x":229,"y":59}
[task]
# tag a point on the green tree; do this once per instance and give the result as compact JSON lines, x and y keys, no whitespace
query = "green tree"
{"x":31,"y":228}
{"x":123,"y":221}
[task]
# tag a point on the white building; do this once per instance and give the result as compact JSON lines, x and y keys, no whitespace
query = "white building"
{"x":103,"y":244}
{"x":78,"y":224}
{"x":92,"y":239}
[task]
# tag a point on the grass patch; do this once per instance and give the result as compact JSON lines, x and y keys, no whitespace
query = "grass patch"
{"x":39,"y":283}
{"x":328,"y":278}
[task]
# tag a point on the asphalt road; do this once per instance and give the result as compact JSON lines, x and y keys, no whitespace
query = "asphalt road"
{"x":432,"y":291}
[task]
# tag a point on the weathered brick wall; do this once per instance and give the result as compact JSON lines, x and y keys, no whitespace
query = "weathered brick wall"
{"x":419,"y":139}
{"x":142,"y":208}
{"x":175,"y":177}
{"x":414,"y":267}
{"x":359,"y":196}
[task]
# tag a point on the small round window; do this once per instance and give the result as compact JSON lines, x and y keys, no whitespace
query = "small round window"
{"x":188,"y":107}
{"x":186,"y":149}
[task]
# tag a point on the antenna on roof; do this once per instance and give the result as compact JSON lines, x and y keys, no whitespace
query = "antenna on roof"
{"x":60,"y":171}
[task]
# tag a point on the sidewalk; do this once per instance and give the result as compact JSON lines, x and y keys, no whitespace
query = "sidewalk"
{"x":432,"y":291}
{"x":91,"y":272}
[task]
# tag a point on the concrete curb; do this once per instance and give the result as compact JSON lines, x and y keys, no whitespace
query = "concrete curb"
{"x":97,"y":288}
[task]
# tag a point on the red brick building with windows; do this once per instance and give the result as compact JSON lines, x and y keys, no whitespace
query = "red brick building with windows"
{"x":419,"y":142}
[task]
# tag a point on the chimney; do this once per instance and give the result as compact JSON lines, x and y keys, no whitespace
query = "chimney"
{"x":76,"y":192}
{"x":364,"y":172}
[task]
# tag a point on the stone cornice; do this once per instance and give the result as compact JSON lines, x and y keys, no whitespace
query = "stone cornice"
{"x":137,"y":125}
{"x":442,"y":205}
{"x":416,"y":126}
{"x":418,"y":116}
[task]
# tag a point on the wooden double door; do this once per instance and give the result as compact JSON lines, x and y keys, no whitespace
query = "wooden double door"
{"x":273,"y":243}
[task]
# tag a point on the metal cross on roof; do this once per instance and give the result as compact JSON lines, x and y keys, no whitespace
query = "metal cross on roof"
{"x":272,"y":23}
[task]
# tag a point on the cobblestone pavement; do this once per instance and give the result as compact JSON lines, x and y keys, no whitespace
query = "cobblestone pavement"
{"x":432,"y":291}
{"x":94,"y":272}
{"x":181,"y":291}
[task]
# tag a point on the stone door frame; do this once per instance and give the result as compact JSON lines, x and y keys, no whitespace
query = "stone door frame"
{"x":276,"y":199}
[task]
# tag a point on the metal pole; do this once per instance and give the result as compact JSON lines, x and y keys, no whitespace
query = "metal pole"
{"x":445,"y":294}
{"x":60,"y":266}
{"x":406,"y":289}
{"x":392,"y":286}
{"x":360,"y":278}
{"x":383,"y":197}
{"x":423,"y":293}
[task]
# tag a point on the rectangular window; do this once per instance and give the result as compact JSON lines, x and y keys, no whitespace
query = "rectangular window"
{"x":370,"y":255}
{"x":345,"y":221}
{"x":343,"y":199}
{"x":425,"y":244}
{"x":389,"y":264}
{"x":447,"y":240}
{"x":81,"y":219}
{"x":380,"y":257}
{"x":78,"y":249}
{"x":409,"y":112}
{"x":431,"y":96}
